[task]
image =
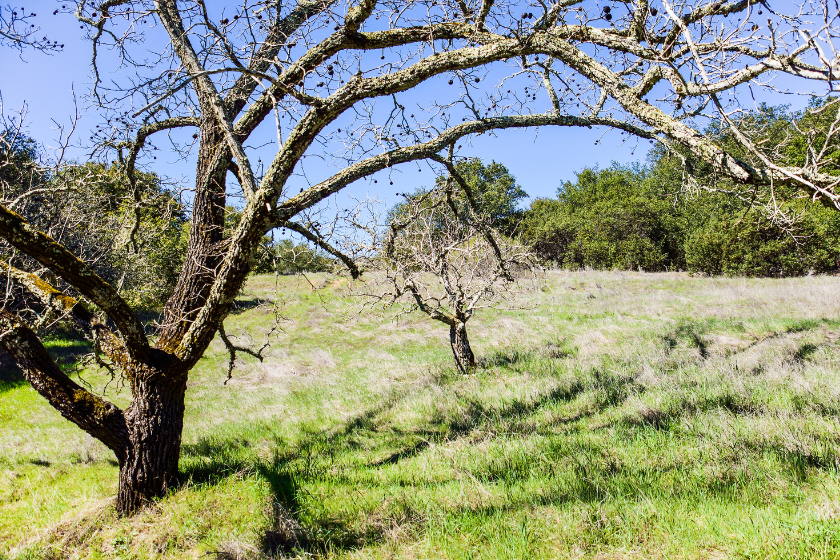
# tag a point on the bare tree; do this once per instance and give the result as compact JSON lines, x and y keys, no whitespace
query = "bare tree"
{"x":448,"y":263}
{"x":337,"y":76}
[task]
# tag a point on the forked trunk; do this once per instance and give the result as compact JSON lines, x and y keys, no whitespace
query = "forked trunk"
{"x":155,"y":418}
{"x":464,"y":358}
{"x":149,"y":466}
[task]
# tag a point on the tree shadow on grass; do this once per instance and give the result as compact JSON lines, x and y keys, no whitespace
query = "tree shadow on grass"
{"x":66,"y":347}
{"x":820,"y":455}
{"x":800,"y":460}
{"x":69,"y":351}
{"x":472,"y":414}
{"x":504,"y":359}
{"x":692,"y":332}
{"x":210,"y":461}
{"x":600,"y":476}
{"x":319,"y":535}
{"x":510,"y":358}
{"x":595,"y":477}
{"x":241,"y":305}
{"x":370,"y":432}
{"x":404,"y":453}
{"x":663,"y":419}
{"x":368,"y":442}
{"x":11,"y":375}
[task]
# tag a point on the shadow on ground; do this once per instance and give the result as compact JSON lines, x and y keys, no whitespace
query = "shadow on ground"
{"x":209,"y":460}
{"x":65,"y":354}
{"x":286,"y":534}
{"x":692,"y":333}
{"x":11,"y":375}
{"x":241,"y":305}
{"x":368,"y":442}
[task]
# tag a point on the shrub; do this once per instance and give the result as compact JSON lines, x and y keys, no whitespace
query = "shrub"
{"x":135,"y":240}
{"x":611,"y":218}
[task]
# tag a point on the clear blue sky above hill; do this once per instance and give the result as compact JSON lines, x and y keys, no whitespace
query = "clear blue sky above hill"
{"x":44,"y":84}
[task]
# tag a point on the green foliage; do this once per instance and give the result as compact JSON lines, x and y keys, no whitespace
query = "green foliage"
{"x":745,"y":243}
{"x":19,"y":168}
{"x":290,"y":258}
{"x":784,"y":136}
{"x":135,"y":239}
{"x":495,"y":195}
{"x":611,"y":218}
{"x":728,"y":234}
{"x":816,"y":121}
{"x":145,"y":263}
{"x":494,"y":189}
{"x":629,"y":217}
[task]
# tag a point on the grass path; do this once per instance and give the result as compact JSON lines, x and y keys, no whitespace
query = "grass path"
{"x":613,"y":415}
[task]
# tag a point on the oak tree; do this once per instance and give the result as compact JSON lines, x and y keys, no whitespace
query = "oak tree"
{"x":448,"y":261}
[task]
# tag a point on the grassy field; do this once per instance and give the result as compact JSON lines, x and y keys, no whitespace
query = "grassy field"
{"x":613,"y":415}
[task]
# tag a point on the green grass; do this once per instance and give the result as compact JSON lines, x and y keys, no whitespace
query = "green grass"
{"x":613,"y":415}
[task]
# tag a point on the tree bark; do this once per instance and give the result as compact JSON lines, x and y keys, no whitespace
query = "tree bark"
{"x":464,"y":358}
{"x":155,"y":420}
{"x":206,"y":248}
{"x":93,"y":414}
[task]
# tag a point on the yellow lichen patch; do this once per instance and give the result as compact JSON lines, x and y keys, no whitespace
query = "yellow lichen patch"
{"x":42,"y":289}
{"x":84,"y":398}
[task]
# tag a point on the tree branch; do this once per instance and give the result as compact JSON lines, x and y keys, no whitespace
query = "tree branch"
{"x":233,"y":349}
{"x":277,"y":36}
{"x":484,"y":227}
{"x":369,"y":166}
{"x":96,"y":416}
{"x":170,"y":16}
{"x":66,"y":306}
{"x":320,"y":242}
{"x":20,"y":234}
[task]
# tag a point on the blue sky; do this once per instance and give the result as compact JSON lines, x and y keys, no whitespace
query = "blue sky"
{"x":540,"y":159}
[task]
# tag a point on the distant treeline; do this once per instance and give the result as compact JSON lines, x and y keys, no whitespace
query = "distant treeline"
{"x":638,"y":217}
{"x":631,"y":217}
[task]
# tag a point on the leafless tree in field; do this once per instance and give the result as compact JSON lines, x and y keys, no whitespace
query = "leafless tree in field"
{"x":334,"y":80}
{"x":448,"y":262}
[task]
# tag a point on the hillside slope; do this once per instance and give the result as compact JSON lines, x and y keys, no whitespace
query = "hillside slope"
{"x":613,"y":415}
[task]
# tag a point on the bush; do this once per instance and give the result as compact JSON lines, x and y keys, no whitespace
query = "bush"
{"x":611,"y":218}
{"x":631,"y":217}
{"x":748,"y":245}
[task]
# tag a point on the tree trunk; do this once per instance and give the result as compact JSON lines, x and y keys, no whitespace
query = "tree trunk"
{"x":149,"y":466}
{"x":206,"y":247}
{"x":464,"y":358}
